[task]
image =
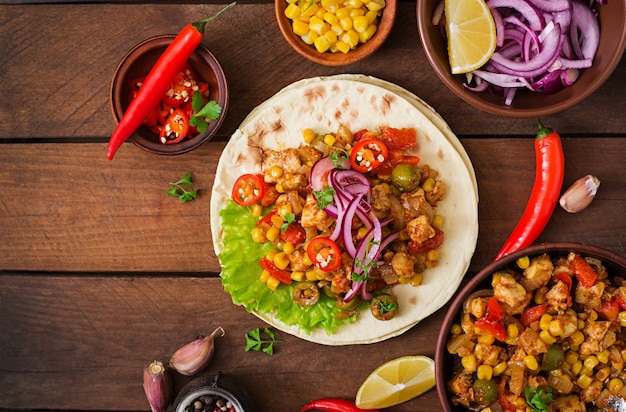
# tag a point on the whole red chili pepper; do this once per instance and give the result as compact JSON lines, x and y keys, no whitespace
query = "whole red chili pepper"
{"x":158,"y":81}
{"x":549,"y":171}
{"x":334,"y":405}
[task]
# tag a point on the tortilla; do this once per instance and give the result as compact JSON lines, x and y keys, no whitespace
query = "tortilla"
{"x":324,"y":104}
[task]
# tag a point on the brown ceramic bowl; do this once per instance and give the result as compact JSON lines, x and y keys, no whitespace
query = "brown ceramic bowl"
{"x":138,"y":62}
{"x":336,"y":59}
{"x":527,"y":103}
{"x":615,"y":265}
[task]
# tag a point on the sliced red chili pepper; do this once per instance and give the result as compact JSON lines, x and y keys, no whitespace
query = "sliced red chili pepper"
{"x":163,"y":112}
{"x":549,"y":172}
{"x":565,"y":278}
{"x":583,"y":271}
{"x":394,"y":138}
{"x":429,"y":244}
{"x":367,"y":155}
{"x":180,"y":91}
{"x":412,"y":160}
{"x":203,"y":88}
{"x":294,"y":233}
{"x":176,"y":127}
{"x":334,"y":405}
{"x":158,"y":80}
{"x":494,"y":310}
{"x":279,"y":274}
{"x":248,"y":189}
{"x":609,"y":310}
{"x":533,"y":314}
{"x":324,"y":253}
{"x":135,"y":84}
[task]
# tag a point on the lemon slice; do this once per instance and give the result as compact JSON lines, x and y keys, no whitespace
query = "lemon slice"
{"x":471,"y":34}
{"x":396,"y":381}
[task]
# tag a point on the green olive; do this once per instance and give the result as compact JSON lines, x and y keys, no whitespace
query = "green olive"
{"x":348,"y":307}
{"x":485,"y":391}
{"x":553,"y":358}
{"x":405,"y":177}
{"x":384,"y":307}
{"x":305,"y":294}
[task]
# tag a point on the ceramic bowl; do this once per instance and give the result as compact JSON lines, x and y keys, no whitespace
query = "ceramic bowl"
{"x":138,"y":62}
{"x":527,"y":103}
{"x":615,"y":265}
{"x":359,"y":53}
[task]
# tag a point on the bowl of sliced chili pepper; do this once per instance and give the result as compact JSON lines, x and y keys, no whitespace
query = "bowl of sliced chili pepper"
{"x":544,"y":325}
{"x":192,"y":109}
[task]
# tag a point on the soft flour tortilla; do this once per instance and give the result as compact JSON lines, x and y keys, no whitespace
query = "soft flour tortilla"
{"x":324,"y":104}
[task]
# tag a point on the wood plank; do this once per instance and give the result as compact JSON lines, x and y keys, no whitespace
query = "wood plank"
{"x":61,"y":350}
{"x":67,"y":208}
{"x":59,"y":60}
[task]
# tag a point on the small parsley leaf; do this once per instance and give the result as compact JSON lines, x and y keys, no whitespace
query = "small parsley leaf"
{"x":182,"y":189}
{"x":255,"y":342}
{"x":324,"y":197}
{"x":539,"y":398}
{"x":202,"y":111}
{"x":289,"y":219}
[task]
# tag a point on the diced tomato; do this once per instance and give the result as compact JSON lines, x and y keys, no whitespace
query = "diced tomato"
{"x":609,"y":310}
{"x":430,"y":244}
{"x":394,"y":158}
{"x":404,"y":138}
{"x":324,"y":253}
{"x":280,"y":274}
{"x":621,"y":302}
{"x":248,"y":189}
{"x":293,"y":233}
{"x":412,"y":160}
{"x":270,"y":196}
{"x":367,"y":154}
{"x":583,"y":271}
{"x":533,"y":314}
{"x":494,"y":328}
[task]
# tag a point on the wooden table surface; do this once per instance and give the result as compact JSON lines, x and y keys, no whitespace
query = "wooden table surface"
{"x":101,"y":272}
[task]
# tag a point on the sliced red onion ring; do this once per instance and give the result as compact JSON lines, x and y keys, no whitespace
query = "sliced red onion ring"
{"x":551,"y":5}
{"x":584,"y":31}
{"x":534,"y":18}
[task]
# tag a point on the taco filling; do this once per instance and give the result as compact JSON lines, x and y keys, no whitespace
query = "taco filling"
{"x":342,"y":218}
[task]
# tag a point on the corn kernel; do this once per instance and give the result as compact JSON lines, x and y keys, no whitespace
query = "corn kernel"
{"x":375,"y":5}
{"x":288,"y":248}
{"x":351,"y":37}
{"x":556,"y":327}
{"x":281,"y":260}
{"x":604,"y":356}
{"x":258,"y":235}
{"x":310,"y":9}
{"x":368,"y":33}
{"x":576,"y":338}
{"x":311,"y":275}
{"x":487,"y":338}
{"x":546,"y":337}
{"x":512,"y":331}
{"x":345,"y":23}
{"x":355,"y":4}
{"x":356,"y":13}
{"x":531,"y":362}
{"x":309,"y":39}
{"x":330,"y":3}
{"x":556,"y":372}
{"x":484,"y":372}
{"x":283,"y":211}
{"x":437,"y":221}
{"x":499,"y":368}
{"x":586,"y":371}
{"x":297,"y":275}
{"x":342,"y":13}
{"x":292,"y":11}
{"x":360,"y":24}
{"x":308,"y":135}
{"x":593,"y":316}
{"x":428,"y":184}
{"x":603,"y":373}
{"x":584,"y":381}
{"x":272,"y":283}
{"x":300,"y":27}
{"x":622,"y":319}
{"x":623,"y":352}
{"x":456,"y":329}
{"x":616,"y":385}
{"x":432,"y":254}
{"x":431,"y":264}
{"x":277,"y":221}
{"x":577,"y":367}
{"x":544,"y":321}
{"x":416,"y":279}
{"x":279,"y":188}
{"x":372,"y":16}
{"x":264,"y":276}
{"x":321,"y":44}
{"x":591,"y":361}
{"x":272,"y":233}
{"x":571,"y":357}
{"x":270,"y":254}
{"x":617,"y":365}
{"x":523,"y":262}
{"x":469,"y":363}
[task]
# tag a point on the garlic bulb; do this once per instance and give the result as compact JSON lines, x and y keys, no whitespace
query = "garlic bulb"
{"x":158,"y":386}
{"x":194,"y":356}
{"x":580,"y":194}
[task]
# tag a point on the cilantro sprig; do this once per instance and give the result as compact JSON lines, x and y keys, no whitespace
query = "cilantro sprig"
{"x":255,"y":342}
{"x":538,"y":398}
{"x":201,"y":112}
{"x":324,"y":197}
{"x":385,"y":305}
{"x":183,"y":189}
{"x":289,"y":219}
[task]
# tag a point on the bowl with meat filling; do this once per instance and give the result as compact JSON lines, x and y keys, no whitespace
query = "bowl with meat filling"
{"x":540,"y":329}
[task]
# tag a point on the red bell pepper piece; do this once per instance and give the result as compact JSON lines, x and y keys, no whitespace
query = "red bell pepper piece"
{"x":279,"y":274}
{"x":609,"y":310}
{"x":533,"y":314}
{"x":565,"y":278}
{"x":491,"y":321}
{"x":583,"y":271}
{"x":334,"y":405}
{"x":158,"y":81}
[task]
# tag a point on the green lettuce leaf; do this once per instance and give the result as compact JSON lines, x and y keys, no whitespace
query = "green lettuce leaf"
{"x":241,"y":271}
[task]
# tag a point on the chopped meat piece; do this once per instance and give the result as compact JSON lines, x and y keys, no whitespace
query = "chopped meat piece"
{"x":510,"y":293}
{"x":538,"y":273}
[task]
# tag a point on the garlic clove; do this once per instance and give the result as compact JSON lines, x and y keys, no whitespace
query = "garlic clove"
{"x":158,"y":386}
{"x":194,"y":356}
{"x":580,"y":194}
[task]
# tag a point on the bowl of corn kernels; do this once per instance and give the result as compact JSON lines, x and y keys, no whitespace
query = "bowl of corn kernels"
{"x":335,"y":32}
{"x":545,"y":325}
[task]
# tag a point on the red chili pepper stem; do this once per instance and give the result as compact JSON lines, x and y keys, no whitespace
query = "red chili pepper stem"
{"x":158,"y":81}
{"x":549,"y":172}
{"x":199,"y":25}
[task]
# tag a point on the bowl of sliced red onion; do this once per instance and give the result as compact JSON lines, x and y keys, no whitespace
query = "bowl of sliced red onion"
{"x":550,"y":54}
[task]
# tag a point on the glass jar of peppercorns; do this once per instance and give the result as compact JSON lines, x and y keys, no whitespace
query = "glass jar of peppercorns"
{"x":214,"y":393}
